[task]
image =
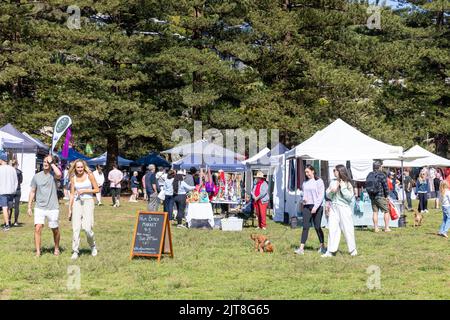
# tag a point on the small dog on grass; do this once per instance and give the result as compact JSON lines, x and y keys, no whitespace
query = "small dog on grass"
{"x":418,"y":218}
{"x":262,"y":243}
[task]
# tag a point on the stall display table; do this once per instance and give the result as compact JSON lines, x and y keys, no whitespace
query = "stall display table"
{"x":363,"y":214}
{"x":199,"y":211}
{"x":226,"y":202}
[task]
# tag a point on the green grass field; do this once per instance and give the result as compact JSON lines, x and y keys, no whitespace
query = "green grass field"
{"x":414,"y":264}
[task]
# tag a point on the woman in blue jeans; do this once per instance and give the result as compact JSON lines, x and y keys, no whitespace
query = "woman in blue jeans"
{"x":422,"y":189}
{"x":168,"y":192}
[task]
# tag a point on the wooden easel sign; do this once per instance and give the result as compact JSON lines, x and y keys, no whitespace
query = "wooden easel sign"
{"x":152,"y":236}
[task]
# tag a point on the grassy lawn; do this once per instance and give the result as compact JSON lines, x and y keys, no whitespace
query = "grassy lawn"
{"x":414,"y":264}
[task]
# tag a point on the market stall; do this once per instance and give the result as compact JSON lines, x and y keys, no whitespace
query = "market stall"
{"x":338,"y":143}
{"x":224,"y":170}
{"x":199,"y":208}
{"x":27,"y":153}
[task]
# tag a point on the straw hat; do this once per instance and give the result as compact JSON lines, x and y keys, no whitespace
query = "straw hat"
{"x":259,"y":174}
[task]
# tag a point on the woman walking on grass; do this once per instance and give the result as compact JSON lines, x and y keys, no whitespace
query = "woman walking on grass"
{"x":340,"y":217}
{"x":81,"y":207}
{"x":422,"y":189}
{"x":313,"y":196}
{"x":445,"y":195}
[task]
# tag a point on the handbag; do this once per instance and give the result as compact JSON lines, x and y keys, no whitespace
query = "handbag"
{"x":393,"y":211}
{"x":162,"y":195}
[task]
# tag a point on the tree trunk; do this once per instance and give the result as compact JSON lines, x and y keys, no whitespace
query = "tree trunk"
{"x":112,"y":150}
{"x":442,"y":145}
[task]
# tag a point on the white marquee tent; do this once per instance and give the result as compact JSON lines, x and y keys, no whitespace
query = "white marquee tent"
{"x":340,"y":141}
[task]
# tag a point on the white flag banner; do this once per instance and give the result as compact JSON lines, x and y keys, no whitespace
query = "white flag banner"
{"x":61,"y":125}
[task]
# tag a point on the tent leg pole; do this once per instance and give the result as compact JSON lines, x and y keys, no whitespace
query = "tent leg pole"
{"x":403,"y":189}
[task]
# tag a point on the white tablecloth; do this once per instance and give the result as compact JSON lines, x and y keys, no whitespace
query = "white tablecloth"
{"x":200,"y":211}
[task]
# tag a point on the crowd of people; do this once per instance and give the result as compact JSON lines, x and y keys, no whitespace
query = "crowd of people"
{"x":339,"y":196}
{"x":166,"y":190}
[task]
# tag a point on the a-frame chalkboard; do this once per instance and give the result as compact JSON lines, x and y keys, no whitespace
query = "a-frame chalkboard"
{"x":152,"y":236}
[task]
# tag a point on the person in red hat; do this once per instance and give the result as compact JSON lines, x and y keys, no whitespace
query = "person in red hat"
{"x":260,"y":194}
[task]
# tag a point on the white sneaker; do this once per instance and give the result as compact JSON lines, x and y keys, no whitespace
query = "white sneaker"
{"x":94,"y":251}
{"x":300,"y":251}
{"x":74,"y":256}
{"x":118,"y":204}
{"x":327,"y":255}
{"x":354,"y":253}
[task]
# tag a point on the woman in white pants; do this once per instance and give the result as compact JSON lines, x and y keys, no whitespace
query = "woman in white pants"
{"x":340,"y":192}
{"x":81,"y":207}
{"x":100,"y":178}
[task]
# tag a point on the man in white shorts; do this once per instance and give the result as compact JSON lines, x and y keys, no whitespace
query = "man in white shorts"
{"x":43,"y":186}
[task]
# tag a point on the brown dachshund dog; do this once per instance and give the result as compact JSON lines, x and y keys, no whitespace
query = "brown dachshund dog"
{"x":418,"y":218}
{"x":262,"y":243}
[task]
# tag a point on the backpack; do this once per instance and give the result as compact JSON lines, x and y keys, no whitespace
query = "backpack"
{"x":372,"y":184}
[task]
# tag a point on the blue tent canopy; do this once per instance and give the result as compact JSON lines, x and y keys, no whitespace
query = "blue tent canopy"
{"x":152,"y":158}
{"x":213,"y":163}
{"x":73,"y":155}
{"x":101,"y":160}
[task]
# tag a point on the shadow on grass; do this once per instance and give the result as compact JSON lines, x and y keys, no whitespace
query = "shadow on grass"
{"x":20,"y":225}
{"x":307,"y":248}
{"x":51,"y":250}
{"x":84,"y":252}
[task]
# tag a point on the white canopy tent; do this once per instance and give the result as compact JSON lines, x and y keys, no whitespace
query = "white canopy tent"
{"x":256,"y":157}
{"x":420,"y":158}
{"x":337,"y":143}
{"x":340,"y":141}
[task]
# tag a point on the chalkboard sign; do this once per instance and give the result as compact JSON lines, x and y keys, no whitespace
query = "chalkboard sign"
{"x":152,"y":235}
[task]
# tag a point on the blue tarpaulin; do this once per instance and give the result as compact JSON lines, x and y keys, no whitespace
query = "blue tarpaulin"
{"x":213,"y":163}
{"x":101,"y":160}
{"x":73,"y":155}
{"x":152,"y":158}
